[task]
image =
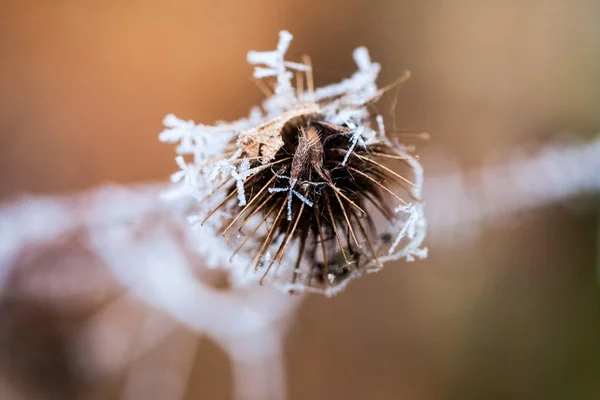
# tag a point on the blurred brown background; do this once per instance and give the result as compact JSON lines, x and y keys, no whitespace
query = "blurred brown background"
{"x":511,"y":314}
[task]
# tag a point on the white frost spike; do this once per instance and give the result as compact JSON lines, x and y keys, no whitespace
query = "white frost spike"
{"x":188,"y":173}
{"x":367,"y":69}
{"x":404,"y":208}
{"x":240,"y":178}
{"x":418,"y":253}
{"x":291,"y":192}
{"x":276,"y":65}
{"x":357,"y":88}
{"x":180,"y":131}
{"x":408,"y":229}
{"x":260,"y":72}
{"x":362,"y":58}
{"x":224,"y":167}
{"x":380,"y":126}
{"x":357,"y":137}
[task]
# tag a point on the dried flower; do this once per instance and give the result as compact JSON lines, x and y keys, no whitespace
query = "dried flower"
{"x":300,"y":191}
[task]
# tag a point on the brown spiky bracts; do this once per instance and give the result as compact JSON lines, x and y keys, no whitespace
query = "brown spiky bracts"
{"x":308,"y":192}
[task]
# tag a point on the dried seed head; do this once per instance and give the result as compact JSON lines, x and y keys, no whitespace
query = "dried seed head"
{"x":305,"y":193}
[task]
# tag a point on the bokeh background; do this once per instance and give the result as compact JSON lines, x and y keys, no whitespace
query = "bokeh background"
{"x":512,"y":312}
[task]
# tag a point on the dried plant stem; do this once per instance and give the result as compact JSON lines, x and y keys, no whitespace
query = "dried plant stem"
{"x":413,"y":134}
{"x":310,"y":85}
{"x":403,"y":78}
{"x":280,"y":250}
{"x":267,"y":214}
{"x":253,"y":213}
{"x":299,"y":85}
{"x":368,"y":241}
{"x":353,"y":204}
{"x":267,"y":239}
{"x":263,"y":87}
{"x":347,"y":219}
{"x":378,"y":184}
{"x":300,"y":253}
{"x":291,"y":235}
{"x":258,"y":367}
{"x":386,"y":169}
{"x":372,"y":153}
{"x":326,"y":266}
{"x":337,"y":235}
{"x":254,"y":198}
{"x":214,"y":210}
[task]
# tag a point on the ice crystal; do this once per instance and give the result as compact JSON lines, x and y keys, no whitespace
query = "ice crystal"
{"x":291,"y":193}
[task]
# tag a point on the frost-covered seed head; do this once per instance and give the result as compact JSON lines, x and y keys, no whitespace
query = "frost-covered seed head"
{"x":305,"y":193}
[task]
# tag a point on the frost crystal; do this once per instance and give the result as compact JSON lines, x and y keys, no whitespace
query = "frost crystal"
{"x":357,"y":137}
{"x":277,"y":67}
{"x":188,"y":173}
{"x":291,"y":193}
{"x":180,"y":131}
